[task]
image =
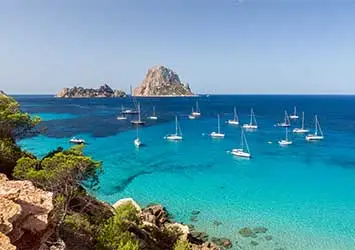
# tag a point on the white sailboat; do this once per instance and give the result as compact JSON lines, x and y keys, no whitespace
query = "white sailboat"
{"x":286,"y":122}
{"x":139,"y":121}
{"x":294,"y":115}
{"x":153,"y":117}
{"x":192,"y":117}
{"x":178,"y":135}
{"x":243,"y":151}
{"x":137,"y":141}
{"x":318,"y":133}
{"x":77,"y":140}
{"x":252,"y":124}
{"x":121,"y":117}
{"x":301,"y":130}
{"x":196,"y":113}
{"x":235,"y":120}
{"x":217,"y":134}
{"x":285,"y":141}
{"x":131,"y":111}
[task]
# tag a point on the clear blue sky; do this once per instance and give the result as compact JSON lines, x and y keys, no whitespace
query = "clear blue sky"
{"x":218,"y":46}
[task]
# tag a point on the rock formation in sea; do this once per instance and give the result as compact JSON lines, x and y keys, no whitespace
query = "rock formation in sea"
{"x":80,"y":92}
{"x":162,"y":81}
{"x":24,"y":214}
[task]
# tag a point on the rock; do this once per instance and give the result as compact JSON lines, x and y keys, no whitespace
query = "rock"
{"x":184,"y":229}
{"x":268,"y":237}
{"x":198,"y":237}
{"x":162,"y":81}
{"x":191,"y":227}
{"x":80,"y":92}
{"x":24,"y":211}
{"x":193,"y":218}
{"x":247,"y":232}
{"x":5,"y":243}
{"x":217,"y":223}
{"x":125,"y":201}
{"x":254,"y":243}
{"x":222,"y":242}
{"x":155,"y":214}
{"x":259,"y":230}
{"x":204,"y":246}
{"x":195,"y":212}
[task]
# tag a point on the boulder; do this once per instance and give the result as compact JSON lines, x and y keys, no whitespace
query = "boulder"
{"x":5,"y":243}
{"x":125,"y":201}
{"x":222,"y":242}
{"x":205,"y":246}
{"x":155,"y":214}
{"x":162,"y":81}
{"x":24,"y":211}
{"x":183,"y":229}
{"x":247,"y":232}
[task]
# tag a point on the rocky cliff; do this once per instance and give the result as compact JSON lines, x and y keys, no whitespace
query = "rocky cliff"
{"x":161,"y":81}
{"x":80,"y":92}
{"x":24,"y":212}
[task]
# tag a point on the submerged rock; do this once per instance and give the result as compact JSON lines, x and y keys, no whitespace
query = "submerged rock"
{"x":222,"y":242}
{"x":217,"y":223}
{"x":268,"y":237}
{"x":195,"y":212}
{"x":259,"y":230}
{"x":162,"y":81}
{"x":254,"y":243}
{"x":198,"y":237}
{"x":247,"y":232}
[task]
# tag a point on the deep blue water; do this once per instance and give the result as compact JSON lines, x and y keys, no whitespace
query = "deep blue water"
{"x":303,"y":193}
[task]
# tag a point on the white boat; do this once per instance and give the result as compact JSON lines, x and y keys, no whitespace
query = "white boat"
{"x":178,"y":135}
{"x":137,"y":141}
{"x":217,"y":134}
{"x":252,"y":124}
{"x":235,"y":120}
{"x":77,"y":140}
{"x":243,"y":151}
{"x":139,"y":121}
{"x":285,"y":141}
{"x":153,"y":117}
{"x":131,"y":111}
{"x":318,"y":133}
{"x":286,"y":122}
{"x":121,"y":117}
{"x":301,"y":130}
{"x":197,"y":112}
{"x":294,"y":115}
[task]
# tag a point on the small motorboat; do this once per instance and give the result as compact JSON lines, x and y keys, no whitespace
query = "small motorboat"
{"x":77,"y":140}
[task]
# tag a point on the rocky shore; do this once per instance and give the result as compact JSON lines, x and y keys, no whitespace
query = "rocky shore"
{"x":80,"y":92}
{"x":162,"y":81}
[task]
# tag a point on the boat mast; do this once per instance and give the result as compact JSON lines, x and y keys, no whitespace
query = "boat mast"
{"x":246,"y":143}
{"x":286,"y":134}
{"x":218,"y":128}
{"x":176,"y":125}
{"x":251,"y":116}
{"x":295,"y":111}
{"x":153,"y":110}
{"x":197,"y":109}
{"x":242,"y":139}
{"x":302,"y":120}
{"x":137,"y":132}
{"x":139,"y":112}
{"x":235,"y":114}
{"x":316,"y":121}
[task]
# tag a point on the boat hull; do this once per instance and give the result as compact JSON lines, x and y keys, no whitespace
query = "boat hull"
{"x":249,"y":126}
{"x":137,"y":142}
{"x":217,"y":135}
{"x":153,"y":118}
{"x":293,"y":116}
{"x":121,"y":118}
{"x":283,"y":125}
{"x":300,"y":131}
{"x":173,"y":137}
{"x":196,"y":113}
{"x":314,"y":137}
{"x":285,"y":142}
{"x":138,"y":122}
{"x":130,"y":112}
{"x":240,"y":153}
{"x":192,"y":117}
{"x":233,"y":122}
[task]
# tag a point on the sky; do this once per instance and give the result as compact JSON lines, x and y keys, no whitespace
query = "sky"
{"x":217,"y":46}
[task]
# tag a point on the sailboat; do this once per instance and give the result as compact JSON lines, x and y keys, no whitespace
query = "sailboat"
{"x":294,"y":116}
{"x":217,"y":134}
{"x":252,"y":124}
{"x":131,"y":111}
{"x":286,"y":122}
{"x":285,"y":141}
{"x":137,"y":141}
{"x":192,"y":117}
{"x":153,"y":117}
{"x":235,"y":120}
{"x":302,"y":129}
{"x":197,"y":111}
{"x":243,"y":151}
{"x":121,"y":117}
{"x":318,"y":133}
{"x":178,"y":135}
{"x":139,"y":121}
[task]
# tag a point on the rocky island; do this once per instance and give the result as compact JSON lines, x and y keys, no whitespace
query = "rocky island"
{"x":80,"y":92}
{"x":162,"y":81}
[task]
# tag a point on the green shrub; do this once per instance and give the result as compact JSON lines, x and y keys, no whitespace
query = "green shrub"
{"x":181,"y":245}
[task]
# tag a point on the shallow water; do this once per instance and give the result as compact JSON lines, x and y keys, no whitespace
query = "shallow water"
{"x":304,"y":193}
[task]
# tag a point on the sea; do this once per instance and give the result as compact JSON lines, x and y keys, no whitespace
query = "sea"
{"x":304,"y":193}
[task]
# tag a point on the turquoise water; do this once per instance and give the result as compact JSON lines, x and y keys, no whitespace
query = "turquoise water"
{"x":53,"y":116}
{"x":302,"y":193}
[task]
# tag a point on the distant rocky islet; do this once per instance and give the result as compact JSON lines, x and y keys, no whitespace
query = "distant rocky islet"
{"x":159,"y":81}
